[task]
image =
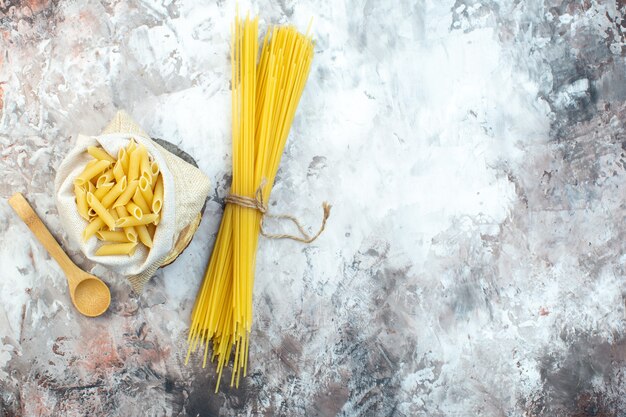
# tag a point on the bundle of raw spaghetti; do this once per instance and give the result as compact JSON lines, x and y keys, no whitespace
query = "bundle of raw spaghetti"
{"x":265,"y":96}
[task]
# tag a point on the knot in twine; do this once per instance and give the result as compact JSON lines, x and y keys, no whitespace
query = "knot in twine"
{"x":258,"y":204}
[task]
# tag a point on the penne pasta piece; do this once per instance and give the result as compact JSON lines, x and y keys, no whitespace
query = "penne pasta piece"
{"x":133,"y":164}
{"x":131,"y":233}
{"x":143,"y":235}
{"x":134,"y":210}
{"x":109,"y":236}
{"x":114,"y":193}
{"x":157,"y":200}
{"x":105,"y":177}
{"x":118,"y":171}
{"x":146,"y":191}
{"x":90,"y":172}
{"x":151,"y":229}
{"x":114,"y":214}
{"x":100,"y":154}
{"x":92,"y":228}
{"x":134,"y":221}
{"x":144,"y":165}
{"x":140,"y":201}
{"x":102,"y":212}
{"x":103,"y":190}
{"x":127,"y":195}
{"x":148,"y":178}
{"x":157,"y":220}
{"x":81,"y":201}
{"x":117,"y":249}
{"x":91,"y":212}
{"x":91,"y":163}
{"x":132,"y":145}
{"x":122,"y":157}
{"x":91,"y":188}
{"x":154,"y":170}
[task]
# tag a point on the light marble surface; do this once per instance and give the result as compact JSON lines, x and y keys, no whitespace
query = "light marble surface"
{"x":474,"y":262}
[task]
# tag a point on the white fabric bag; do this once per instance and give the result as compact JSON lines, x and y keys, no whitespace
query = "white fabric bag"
{"x":185,"y":189}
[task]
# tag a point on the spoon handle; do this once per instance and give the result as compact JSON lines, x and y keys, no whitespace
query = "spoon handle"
{"x":28,"y":215}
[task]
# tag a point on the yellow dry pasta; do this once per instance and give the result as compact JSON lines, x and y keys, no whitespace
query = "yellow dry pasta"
{"x":105,"y":177}
{"x":157,"y":199}
{"x":151,"y":229}
{"x":129,"y":231}
{"x":100,"y":154}
{"x":140,"y":201}
{"x":91,"y":172}
{"x":117,"y":249}
{"x":101,"y":211}
{"x":91,"y":229}
{"x":134,"y":210}
{"x":265,"y":92}
{"x":144,"y":165}
{"x":118,"y":171}
{"x":146,"y":192}
{"x":109,"y":236}
{"x":81,"y":201}
{"x":122,"y":157}
{"x":134,"y":221}
{"x":110,"y":197}
{"x":111,"y":200}
{"x":144,"y":235}
{"x":102,"y":190}
{"x":154,"y":171}
{"x":127,"y":195}
{"x":133,"y":163}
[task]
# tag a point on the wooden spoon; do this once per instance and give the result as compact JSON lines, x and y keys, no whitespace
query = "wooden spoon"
{"x":89,"y":294}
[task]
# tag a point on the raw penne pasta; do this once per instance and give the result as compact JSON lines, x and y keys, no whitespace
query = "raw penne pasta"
{"x":144,"y":165}
{"x":100,"y":154}
{"x":116,"y":196}
{"x":134,"y":221}
{"x":133,"y":164}
{"x":132,"y":145}
{"x":130,"y":231}
{"x":154,"y":170}
{"x":143,"y":235}
{"x":151,"y":229}
{"x":117,"y":249}
{"x":91,"y":172}
{"x":157,"y":199}
{"x":103,"y":190}
{"x":148,"y":177}
{"x":92,"y":228}
{"x":127,"y":195}
{"x":114,"y":193}
{"x":146,"y":191}
{"x":118,"y":171}
{"x":134,"y":210}
{"x":81,"y":201}
{"x":101,"y":211}
{"x":122,"y":157}
{"x":140,"y":201}
{"x":109,"y":236}
{"x":105,"y":177}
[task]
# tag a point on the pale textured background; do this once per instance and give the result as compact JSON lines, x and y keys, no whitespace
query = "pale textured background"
{"x":475,"y":258}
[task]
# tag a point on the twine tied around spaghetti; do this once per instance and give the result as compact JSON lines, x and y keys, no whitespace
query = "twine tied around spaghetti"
{"x":257,"y":203}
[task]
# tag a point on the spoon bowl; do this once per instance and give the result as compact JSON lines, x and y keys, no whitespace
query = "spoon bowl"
{"x":89,"y":294}
{"x":91,"y":297}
